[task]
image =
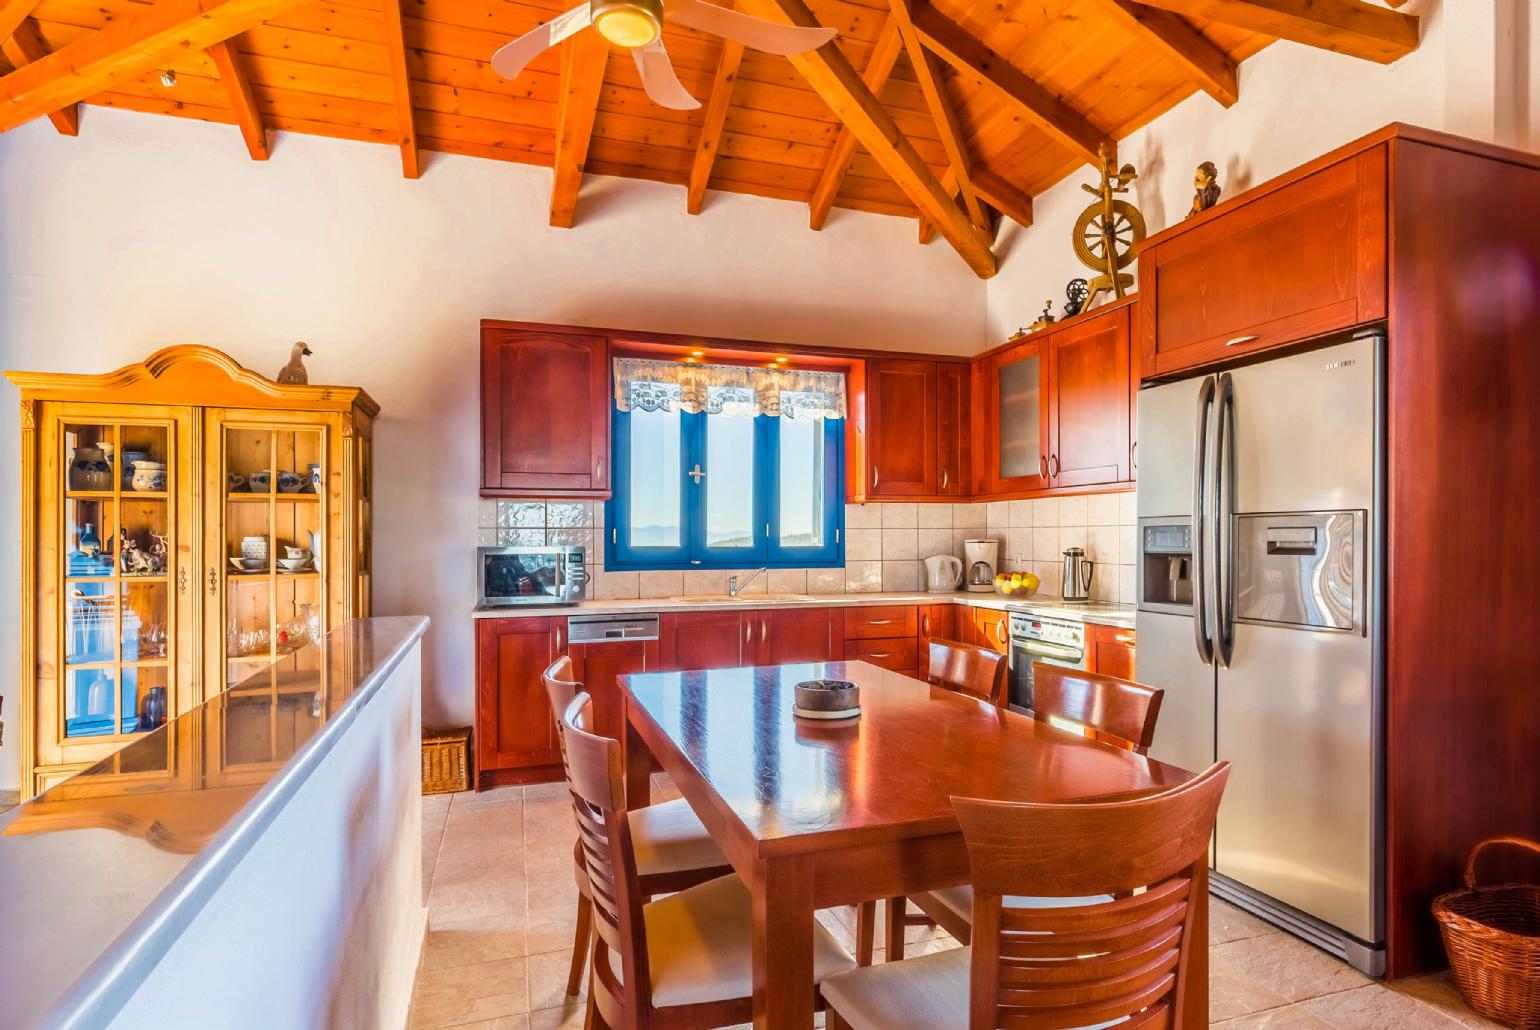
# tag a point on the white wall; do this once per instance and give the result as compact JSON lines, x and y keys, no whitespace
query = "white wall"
{"x":148,"y":231}
{"x":1476,"y":73}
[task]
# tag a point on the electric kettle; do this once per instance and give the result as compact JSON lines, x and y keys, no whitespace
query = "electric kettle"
{"x":1077,"y":575}
{"x":942,"y":572}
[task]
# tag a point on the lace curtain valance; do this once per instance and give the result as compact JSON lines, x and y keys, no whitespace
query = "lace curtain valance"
{"x":727,"y":389}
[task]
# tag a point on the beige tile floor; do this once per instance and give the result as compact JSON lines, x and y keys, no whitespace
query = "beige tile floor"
{"x":497,"y":880}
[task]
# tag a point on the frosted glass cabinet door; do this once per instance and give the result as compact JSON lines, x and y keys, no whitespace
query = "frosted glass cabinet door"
{"x":1017,"y":413}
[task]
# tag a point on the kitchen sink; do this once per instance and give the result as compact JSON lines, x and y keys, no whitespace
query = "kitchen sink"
{"x":745,"y":598}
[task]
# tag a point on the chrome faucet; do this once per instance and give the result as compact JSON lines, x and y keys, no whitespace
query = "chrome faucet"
{"x":732,"y":581}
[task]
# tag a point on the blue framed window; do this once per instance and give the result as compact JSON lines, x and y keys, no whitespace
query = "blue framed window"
{"x":722,"y":487}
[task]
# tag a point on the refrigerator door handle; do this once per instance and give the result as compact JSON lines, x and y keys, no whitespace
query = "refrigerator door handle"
{"x":1224,"y":519}
{"x":1201,"y":638}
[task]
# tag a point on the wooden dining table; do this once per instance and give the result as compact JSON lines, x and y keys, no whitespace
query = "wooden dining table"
{"x":815,"y":814}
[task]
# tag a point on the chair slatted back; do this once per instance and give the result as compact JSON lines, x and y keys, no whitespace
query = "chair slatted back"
{"x":1087,"y":964}
{"x":968,"y":669}
{"x":1115,"y":711}
{"x":594,"y":774}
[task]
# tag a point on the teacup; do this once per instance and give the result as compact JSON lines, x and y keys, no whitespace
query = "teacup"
{"x":254,"y":547}
{"x":261,"y":482}
{"x":299,"y":553}
{"x":290,"y":483}
{"x":234,"y":481}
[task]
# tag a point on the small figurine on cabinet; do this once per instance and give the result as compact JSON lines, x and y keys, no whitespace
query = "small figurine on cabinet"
{"x":1076,"y":292}
{"x":294,"y":372}
{"x":1206,"y":183}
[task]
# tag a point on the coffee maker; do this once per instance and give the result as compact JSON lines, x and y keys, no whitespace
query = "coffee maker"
{"x":982,"y":557}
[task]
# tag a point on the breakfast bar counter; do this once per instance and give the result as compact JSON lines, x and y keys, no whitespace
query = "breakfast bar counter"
{"x":254,"y":861}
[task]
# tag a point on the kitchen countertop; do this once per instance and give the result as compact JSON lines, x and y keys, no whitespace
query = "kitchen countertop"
{"x":1122,"y":616}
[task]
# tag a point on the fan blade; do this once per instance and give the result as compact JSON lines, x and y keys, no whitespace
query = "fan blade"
{"x":768,"y":36}
{"x":512,"y":58}
{"x":659,"y":80}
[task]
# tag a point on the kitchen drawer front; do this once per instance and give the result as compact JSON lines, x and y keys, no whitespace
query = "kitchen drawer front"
{"x":881,"y":621}
{"x":1112,"y":651}
{"x":900,"y":654}
{"x":1304,"y":260}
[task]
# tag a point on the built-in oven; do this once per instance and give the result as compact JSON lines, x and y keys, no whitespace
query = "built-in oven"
{"x":508,"y":576}
{"x":1042,"y":638}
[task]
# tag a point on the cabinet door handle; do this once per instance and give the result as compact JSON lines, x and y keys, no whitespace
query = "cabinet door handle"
{"x":1042,"y":463}
{"x":764,"y":629}
{"x":1237,"y":341}
{"x":926,"y":624}
{"x":1133,"y":454}
{"x":878,"y":622}
{"x":881,"y":654}
{"x":559,"y":644}
{"x":748,"y":631}
{"x":943,"y":479}
{"x":876,"y":477}
{"x":1124,"y":638}
{"x":181,"y":580}
{"x":1053,"y":461}
{"x":599,"y":469}
{"x":213,"y":580}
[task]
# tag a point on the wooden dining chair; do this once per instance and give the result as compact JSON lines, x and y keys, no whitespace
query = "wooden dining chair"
{"x":683,"y":961}
{"x":966,"y":669}
{"x":1115,"y":711}
{"x":673,"y":850}
{"x":1074,"y":965}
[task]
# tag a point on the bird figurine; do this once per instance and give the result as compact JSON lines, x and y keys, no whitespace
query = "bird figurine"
{"x":294,"y":372}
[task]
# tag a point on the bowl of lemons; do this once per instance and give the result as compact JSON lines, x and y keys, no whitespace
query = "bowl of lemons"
{"x":1018,"y":585}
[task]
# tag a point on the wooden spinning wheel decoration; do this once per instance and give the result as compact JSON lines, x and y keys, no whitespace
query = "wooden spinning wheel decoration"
{"x":1108,"y":231}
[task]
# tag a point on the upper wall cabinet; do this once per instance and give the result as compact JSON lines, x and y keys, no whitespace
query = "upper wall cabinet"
{"x":545,"y":404}
{"x":1299,"y":261}
{"x":1013,"y":420}
{"x":1089,"y":416}
{"x":908,"y":431}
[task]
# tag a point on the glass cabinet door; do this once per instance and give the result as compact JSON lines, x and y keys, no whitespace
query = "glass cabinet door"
{"x":118,"y":547}
{"x":1020,"y":415}
{"x":269,"y":539}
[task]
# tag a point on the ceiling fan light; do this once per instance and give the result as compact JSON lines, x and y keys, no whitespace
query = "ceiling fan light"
{"x":628,"y":23}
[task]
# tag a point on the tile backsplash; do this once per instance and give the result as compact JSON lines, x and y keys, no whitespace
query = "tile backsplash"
{"x":884,"y":544}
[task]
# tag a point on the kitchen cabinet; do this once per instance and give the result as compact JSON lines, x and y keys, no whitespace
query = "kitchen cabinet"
{"x":545,"y":412}
{"x":783,"y":635}
{"x":987,"y":627}
{"x":139,"y":488}
{"x":909,"y":430}
{"x":1090,"y":418}
{"x":704,"y":640}
{"x":937,"y":622}
{"x":599,"y":666}
{"x":1290,"y":263}
{"x":876,"y":621}
{"x":1110,"y":650}
{"x":1012,"y":435}
{"x":515,"y":728}
{"x":899,"y":654}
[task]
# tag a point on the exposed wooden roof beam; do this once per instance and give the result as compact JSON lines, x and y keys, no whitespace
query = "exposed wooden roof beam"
{"x":878,"y":67}
{"x":829,"y":72}
{"x":1345,"y":26}
{"x":12,"y":14}
{"x":954,"y":45}
{"x":1002,"y":195}
{"x":232,"y":75}
{"x":711,"y":128}
{"x":401,"y":86}
{"x":941,"y":112}
{"x":582,"y":80}
{"x":1169,"y":33}
{"x":124,"y":49}
{"x":23,"y":45}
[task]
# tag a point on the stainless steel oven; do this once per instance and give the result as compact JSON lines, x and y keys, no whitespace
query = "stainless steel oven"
{"x":1042,"y":638}
{"x":508,"y":576}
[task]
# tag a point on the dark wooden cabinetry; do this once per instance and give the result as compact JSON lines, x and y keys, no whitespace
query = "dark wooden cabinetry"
{"x":937,"y":622}
{"x":704,"y":640}
{"x":1110,"y":650}
{"x":784,"y":635}
{"x":909,"y":432}
{"x":986,"y":627}
{"x":1090,"y":423}
{"x":515,"y":731}
{"x":599,"y":667}
{"x":1011,"y":421}
{"x":1287,"y":264}
{"x":545,"y":412}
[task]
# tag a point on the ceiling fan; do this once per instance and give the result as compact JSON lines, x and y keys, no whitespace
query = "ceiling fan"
{"x":637,"y":25}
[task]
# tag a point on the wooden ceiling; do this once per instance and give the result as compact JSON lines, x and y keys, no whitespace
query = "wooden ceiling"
{"x":956,"y":112}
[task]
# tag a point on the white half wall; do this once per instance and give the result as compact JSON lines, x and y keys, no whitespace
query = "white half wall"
{"x":1476,"y":73}
{"x":148,"y":231}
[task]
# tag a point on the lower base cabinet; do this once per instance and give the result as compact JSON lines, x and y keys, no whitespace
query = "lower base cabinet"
{"x":515,"y":732}
{"x":1110,"y":651}
{"x":937,"y":622}
{"x":985,"y":627}
{"x":599,"y":668}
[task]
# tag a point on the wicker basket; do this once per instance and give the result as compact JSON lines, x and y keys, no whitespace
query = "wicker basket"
{"x":446,"y":760}
{"x":1492,"y":935}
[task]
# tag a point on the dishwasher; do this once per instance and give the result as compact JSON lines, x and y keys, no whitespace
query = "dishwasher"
{"x":597,"y":629}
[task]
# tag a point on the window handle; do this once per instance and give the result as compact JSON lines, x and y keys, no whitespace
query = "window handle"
{"x":697,"y":474}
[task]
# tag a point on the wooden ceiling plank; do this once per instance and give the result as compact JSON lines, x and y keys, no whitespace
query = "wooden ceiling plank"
{"x":955,"y":46}
{"x":1001,"y":195}
{"x":24,"y":45}
{"x":582,"y":76}
{"x":401,"y":86}
{"x":125,"y":49}
{"x":1349,"y":27}
{"x":941,"y":110}
{"x":878,"y":69}
{"x":12,"y":14}
{"x":1174,"y":37}
{"x":232,"y":76}
{"x":710,"y":137}
{"x":830,"y":73}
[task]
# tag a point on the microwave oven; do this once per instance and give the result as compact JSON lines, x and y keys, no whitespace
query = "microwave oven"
{"x":509,"y":576}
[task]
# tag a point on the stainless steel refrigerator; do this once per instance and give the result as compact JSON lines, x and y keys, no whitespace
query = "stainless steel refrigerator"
{"x":1260,"y":504}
